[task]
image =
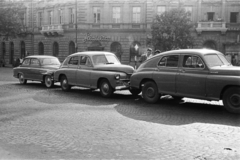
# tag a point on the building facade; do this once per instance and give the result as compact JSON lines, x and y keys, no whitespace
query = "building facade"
{"x":63,"y":27}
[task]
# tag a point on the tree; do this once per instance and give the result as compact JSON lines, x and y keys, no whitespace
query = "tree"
{"x":172,"y":30}
{"x":11,"y":18}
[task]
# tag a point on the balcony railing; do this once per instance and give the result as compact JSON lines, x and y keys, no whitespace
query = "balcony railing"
{"x":211,"y":26}
{"x":52,"y":30}
{"x":107,"y":26}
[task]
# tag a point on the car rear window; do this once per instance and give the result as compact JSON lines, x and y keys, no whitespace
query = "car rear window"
{"x":50,"y":61}
{"x":213,"y":60}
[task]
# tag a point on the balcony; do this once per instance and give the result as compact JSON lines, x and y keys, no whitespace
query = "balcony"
{"x":211,"y":26}
{"x":101,"y":26}
{"x":52,"y":30}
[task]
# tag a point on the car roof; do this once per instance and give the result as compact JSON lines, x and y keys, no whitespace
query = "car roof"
{"x":40,"y":56}
{"x":191,"y":51}
{"x":92,"y":53}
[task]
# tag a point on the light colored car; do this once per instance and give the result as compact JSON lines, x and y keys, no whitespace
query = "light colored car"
{"x":37,"y":68}
{"x":195,"y":73}
{"x":95,"y":70}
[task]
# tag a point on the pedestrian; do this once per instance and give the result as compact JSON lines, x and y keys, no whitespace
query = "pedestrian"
{"x":157,"y":52}
{"x":147,"y":55}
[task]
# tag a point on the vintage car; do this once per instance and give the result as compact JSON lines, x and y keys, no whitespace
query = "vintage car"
{"x":94,"y":70}
{"x":196,"y":73}
{"x":37,"y":68}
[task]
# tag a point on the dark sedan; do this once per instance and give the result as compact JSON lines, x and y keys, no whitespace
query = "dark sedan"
{"x":195,"y":73}
{"x":37,"y":68}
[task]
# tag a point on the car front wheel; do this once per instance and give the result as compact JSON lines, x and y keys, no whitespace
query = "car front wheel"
{"x":64,"y":84}
{"x":231,"y":99}
{"x":106,"y":89}
{"x":48,"y":81}
{"x":150,"y":92}
{"x":21,"y":78}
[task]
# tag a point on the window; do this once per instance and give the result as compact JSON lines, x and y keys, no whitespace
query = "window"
{"x":26,"y":62}
{"x":161,"y":10}
{"x":55,"y":49}
{"x":233,"y":17}
{"x":210,"y":16}
{"x":96,"y":14}
{"x":189,"y":11}
{"x":71,"y":15}
{"x":213,"y":60}
{"x":169,"y":61}
{"x":116,"y":14}
{"x":192,"y":62}
{"x":73,"y":60}
{"x":40,"y":19}
{"x":136,"y":15}
{"x":83,"y":60}
{"x":35,"y":62}
{"x":60,"y":13}
{"x":50,"y":17}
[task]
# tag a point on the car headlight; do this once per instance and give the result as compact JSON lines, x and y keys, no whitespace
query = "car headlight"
{"x":117,"y":76}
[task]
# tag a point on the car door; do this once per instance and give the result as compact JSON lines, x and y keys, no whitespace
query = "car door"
{"x":71,"y":70}
{"x":35,"y":69}
{"x":84,"y":72}
{"x":191,"y":79}
{"x":165,"y":75}
{"x":25,"y":68}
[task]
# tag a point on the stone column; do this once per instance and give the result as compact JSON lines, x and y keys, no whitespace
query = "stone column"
{"x":224,"y":10}
{"x":199,"y":10}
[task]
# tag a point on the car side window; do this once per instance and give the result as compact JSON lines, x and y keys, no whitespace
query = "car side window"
{"x":84,"y":60}
{"x":192,"y":62}
{"x":73,"y":60}
{"x":26,"y":62}
{"x":35,"y":62}
{"x":169,"y":61}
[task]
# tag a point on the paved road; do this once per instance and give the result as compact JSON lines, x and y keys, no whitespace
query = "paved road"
{"x":40,"y":123}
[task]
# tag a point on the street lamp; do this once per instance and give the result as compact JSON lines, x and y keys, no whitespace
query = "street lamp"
{"x":76,"y":45}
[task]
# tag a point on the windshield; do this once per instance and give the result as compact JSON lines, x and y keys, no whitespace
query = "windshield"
{"x":105,"y":59}
{"x":213,"y":60}
{"x":50,"y":61}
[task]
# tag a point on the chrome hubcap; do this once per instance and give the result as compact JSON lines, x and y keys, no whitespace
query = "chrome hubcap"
{"x":48,"y":81}
{"x":235,"y":100}
{"x":64,"y":83}
{"x":150,"y":92}
{"x":105,"y":88}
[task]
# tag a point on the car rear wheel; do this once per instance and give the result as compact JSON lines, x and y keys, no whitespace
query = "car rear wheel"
{"x":231,"y":99}
{"x":150,"y":92}
{"x":21,"y":78}
{"x":48,"y":81}
{"x":135,"y":92}
{"x":64,"y":84}
{"x":106,"y":89}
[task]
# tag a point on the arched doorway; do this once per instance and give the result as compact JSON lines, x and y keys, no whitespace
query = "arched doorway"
{"x":55,"y":49}
{"x":71,"y":47}
{"x":134,"y":51}
{"x":96,"y":46}
{"x":40,"y":48}
{"x":116,"y":48}
{"x":210,"y":44}
{"x":11,"y":57}
{"x":23,"y":49}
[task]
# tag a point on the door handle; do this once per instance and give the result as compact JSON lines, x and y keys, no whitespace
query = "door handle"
{"x":182,"y":70}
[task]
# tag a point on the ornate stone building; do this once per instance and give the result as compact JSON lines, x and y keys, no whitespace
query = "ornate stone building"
{"x":120,"y":26}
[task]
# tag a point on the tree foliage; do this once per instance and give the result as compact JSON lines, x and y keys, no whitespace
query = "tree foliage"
{"x":11,"y":13}
{"x":172,"y":30}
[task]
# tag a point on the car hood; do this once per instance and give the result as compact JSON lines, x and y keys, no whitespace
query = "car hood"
{"x":226,"y":70}
{"x":115,"y":67}
{"x":51,"y":67}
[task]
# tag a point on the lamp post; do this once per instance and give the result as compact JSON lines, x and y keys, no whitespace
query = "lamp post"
{"x":76,"y":26}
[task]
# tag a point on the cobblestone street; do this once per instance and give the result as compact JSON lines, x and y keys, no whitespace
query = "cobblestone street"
{"x":41,"y":123}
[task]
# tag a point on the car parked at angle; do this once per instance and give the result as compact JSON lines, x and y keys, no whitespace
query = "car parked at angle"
{"x":94,"y":70}
{"x":195,"y":73}
{"x":37,"y":68}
